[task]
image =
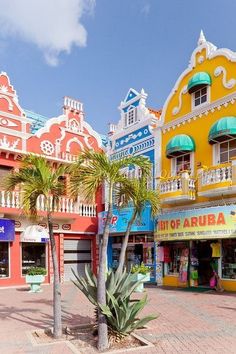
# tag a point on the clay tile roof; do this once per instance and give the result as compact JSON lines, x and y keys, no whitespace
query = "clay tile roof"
{"x":157,"y":113}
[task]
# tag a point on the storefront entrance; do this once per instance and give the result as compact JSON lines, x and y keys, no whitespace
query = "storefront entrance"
{"x":201,"y":262}
{"x":192,"y":262}
{"x":140,"y":249}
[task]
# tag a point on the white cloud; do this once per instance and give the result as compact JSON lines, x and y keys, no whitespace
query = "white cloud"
{"x":54,"y":26}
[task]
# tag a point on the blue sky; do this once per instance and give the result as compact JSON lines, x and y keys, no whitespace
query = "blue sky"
{"x":96,"y":50}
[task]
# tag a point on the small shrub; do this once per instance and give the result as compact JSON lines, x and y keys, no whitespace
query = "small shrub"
{"x":141,"y":269}
{"x":36,"y":271}
{"x":122,"y":313}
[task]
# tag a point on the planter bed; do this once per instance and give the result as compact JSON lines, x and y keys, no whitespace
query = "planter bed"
{"x":83,"y":341}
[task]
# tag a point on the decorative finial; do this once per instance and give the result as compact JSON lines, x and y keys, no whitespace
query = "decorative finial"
{"x":202,"y":38}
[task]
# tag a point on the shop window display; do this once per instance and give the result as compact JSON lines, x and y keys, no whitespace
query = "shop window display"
{"x":172,"y":253}
{"x":4,"y":259}
{"x":140,"y":249}
{"x":229,"y":259}
{"x":33,"y":255}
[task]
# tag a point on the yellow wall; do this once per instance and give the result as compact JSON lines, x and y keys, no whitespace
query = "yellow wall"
{"x":173,"y":280}
{"x":198,"y":127}
{"x":205,"y":58}
{"x":229,"y":285}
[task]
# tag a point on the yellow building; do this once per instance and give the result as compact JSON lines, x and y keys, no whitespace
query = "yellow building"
{"x":197,"y":179}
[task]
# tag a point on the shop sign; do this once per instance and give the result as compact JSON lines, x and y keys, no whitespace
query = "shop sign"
{"x":204,"y":223}
{"x":7,"y":230}
{"x":17,"y":223}
{"x":120,"y":219}
{"x":66,"y":227}
{"x":35,"y":233}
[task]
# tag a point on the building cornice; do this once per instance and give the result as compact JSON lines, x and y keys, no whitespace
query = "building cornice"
{"x":208,"y":204}
{"x":201,"y":112}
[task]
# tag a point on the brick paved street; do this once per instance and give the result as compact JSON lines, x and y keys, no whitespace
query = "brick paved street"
{"x":187,"y":323}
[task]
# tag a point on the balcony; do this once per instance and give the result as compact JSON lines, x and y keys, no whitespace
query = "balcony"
{"x":65,"y":205}
{"x":177,"y":189}
{"x":217,"y":180}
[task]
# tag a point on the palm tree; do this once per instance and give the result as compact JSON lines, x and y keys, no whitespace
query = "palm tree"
{"x":138,"y":196}
{"x":90,"y":173}
{"x":37,"y":178}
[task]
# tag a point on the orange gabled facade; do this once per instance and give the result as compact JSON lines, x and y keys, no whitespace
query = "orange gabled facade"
{"x":59,"y":139}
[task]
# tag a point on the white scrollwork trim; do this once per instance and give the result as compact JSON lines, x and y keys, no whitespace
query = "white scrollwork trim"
{"x":182,"y":92}
{"x":227,"y":84}
{"x":47,"y":147}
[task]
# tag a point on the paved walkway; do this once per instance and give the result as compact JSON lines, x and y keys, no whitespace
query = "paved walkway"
{"x":187,"y":323}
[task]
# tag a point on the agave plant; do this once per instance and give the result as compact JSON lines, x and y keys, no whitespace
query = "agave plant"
{"x":120,"y":311}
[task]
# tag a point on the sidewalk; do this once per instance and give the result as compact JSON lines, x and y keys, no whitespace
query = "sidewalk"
{"x":187,"y":323}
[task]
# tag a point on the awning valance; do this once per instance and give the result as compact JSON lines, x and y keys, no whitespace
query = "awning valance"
{"x":34,"y":233}
{"x":198,"y":80}
{"x":223,"y":129}
{"x":179,"y":144}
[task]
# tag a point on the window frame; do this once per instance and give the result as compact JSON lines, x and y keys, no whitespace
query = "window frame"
{"x":218,"y":152}
{"x":207,"y":98}
{"x":21,"y":256}
{"x":131,"y":110}
{"x":174,"y":163}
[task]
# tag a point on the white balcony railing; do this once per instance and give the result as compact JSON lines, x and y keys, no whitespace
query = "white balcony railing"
{"x":217,"y":174}
{"x":65,"y":205}
{"x":191,"y":184}
{"x":171,"y":185}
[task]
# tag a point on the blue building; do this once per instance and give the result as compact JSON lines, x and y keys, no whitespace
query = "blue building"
{"x":136,"y":133}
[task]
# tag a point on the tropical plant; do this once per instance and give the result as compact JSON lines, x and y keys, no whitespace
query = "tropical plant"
{"x":91,"y":172}
{"x":37,"y":178}
{"x":141,"y":269}
{"x":36,"y":271}
{"x":137,"y":196}
{"x":121,"y":313}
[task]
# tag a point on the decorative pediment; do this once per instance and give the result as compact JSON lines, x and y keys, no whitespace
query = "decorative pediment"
{"x":206,"y":57}
{"x":64,"y":136}
{"x":130,"y":95}
{"x":8,"y":97}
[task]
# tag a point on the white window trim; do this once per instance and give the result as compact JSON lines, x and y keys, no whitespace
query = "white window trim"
{"x":203,"y":104}
{"x":126,"y":116}
{"x":216,"y":154}
{"x":216,"y":151}
{"x":46,"y":258}
{"x":174,"y":164}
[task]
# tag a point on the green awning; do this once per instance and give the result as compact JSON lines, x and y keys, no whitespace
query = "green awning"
{"x":223,"y":129}
{"x":198,"y":79}
{"x":179,"y":144}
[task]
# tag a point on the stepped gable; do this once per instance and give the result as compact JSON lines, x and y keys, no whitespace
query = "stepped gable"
{"x":65,"y":136}
{"x":14,"y":125}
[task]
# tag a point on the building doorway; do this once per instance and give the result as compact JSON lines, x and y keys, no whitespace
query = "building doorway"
{"x":204,"y":255}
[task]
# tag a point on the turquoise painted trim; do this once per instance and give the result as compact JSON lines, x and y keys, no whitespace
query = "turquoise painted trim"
{"x":131,"y":95}
{"x":134,"y":104}
{"x":180,"y":143}
{"x":223,"y":127}
{"x":201,"y":78}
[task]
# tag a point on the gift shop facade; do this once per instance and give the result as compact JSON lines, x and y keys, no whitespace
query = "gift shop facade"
{"x":192,"y":244}
{"x":59,"y":139}
{"x":197,"y":183}
{"x":141,"y":247}
{"x":136,"y":133}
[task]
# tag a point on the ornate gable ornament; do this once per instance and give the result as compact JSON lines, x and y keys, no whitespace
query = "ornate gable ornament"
{"x":205,"y":50}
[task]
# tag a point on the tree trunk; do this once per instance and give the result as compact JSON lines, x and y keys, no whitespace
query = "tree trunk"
{"x":57,"y":323}
{"x":125,"y":243}
{"x":101,"y":284}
